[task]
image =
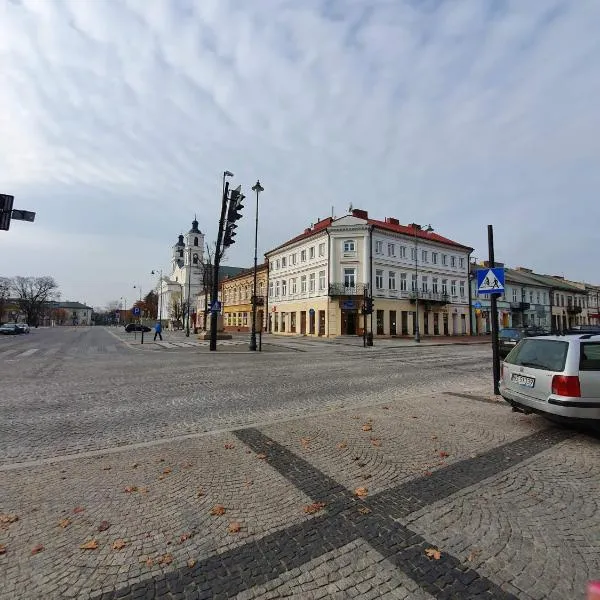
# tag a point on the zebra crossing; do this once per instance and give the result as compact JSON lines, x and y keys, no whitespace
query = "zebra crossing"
{"x":197,"y":343}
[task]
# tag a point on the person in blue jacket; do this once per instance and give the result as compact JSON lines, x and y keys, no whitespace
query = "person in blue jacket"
{"x":158,"y":331}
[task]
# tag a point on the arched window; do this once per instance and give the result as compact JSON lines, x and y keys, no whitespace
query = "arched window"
{"x":195,"y":241}
{"x":181,"y":253}
{"x":195,"y":259}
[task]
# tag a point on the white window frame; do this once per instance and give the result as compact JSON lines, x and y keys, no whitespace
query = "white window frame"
{"x":391,"y":249}
{"x":445,"y":260}
{"x":303,"y":284}
{"x":378,"y":247}
{"x":445,"y":287}
{"x":402,"y":282}
{"x":349,"y":245}
{"x":434,"y":256}
{"x":424,"y":283}
{"x":349,"y":275}
{"x":434,"y":285}
{"x":379,"y":279}
{"x":293,"y":286}
{"x":311,"y":252}
{"x":321,"y":280}
{"x":453,"y":261}
{"x":392,"y":280}
{"x":322,"y":249}
{"x":283,"y":287}
{"x":402,"y":251}
{"x":303,"y":255}
{"x":312,"y":282}
{"x":424,"y":255}
{"x":277,"y":289}
{"x":453,"y":287}
{"x":414,"y":284}
{"x":461,"y":288}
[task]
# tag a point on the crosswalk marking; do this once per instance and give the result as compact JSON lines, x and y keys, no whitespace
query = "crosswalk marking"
{"x":27,"y":352}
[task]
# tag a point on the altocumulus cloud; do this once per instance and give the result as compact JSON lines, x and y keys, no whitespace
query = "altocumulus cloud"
{"x":118,"y":117}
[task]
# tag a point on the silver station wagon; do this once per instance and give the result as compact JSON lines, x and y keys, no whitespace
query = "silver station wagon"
{"x":558,"y":376}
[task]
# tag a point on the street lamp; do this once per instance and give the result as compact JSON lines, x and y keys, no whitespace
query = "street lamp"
{"x":160,"y":302}
{"x":258,"y":189}
{"x":189,"y":276}
{"x":427,"y":229}
{"x":123,"y":305}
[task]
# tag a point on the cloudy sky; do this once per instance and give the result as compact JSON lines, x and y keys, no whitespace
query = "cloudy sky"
{"x":118,"y":118}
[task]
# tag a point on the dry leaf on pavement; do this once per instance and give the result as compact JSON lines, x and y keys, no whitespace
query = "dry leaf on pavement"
{"x":149,"y":562}
{"x":305,"y":442}
{"x":37,"y":549}
{"x":434,"y":437}
{"x":78,"y":509}
{"x":64,"y":523}
{"x":229,"y":446}
{"x":167,"y":559}
{"x":183,"y":537}
{"x":473,"y":555}
{"x":130,"y":489}
{"x":104,"y":525}
{"x":2,"y":549}
{"x":191,"y":563}
{"x":167,"y":471}
{"x":234,"y":527}
{"x":217,"y":510}
{"x":200,"y":493}
{"x":315,"y":507}
{"x":361,"y":492}
{"x":342,"y":445}
{"x":363,"y":510}
{"x":444,"y":454}
{"x":107,"y":468}
{"x":433,"y":553}
{"x":261,"y":456}
{"x":119,"y":544}
{"x":376,"y":442}
{"x":385,"y":408}
{"x":135,"y":465}
{"x":91,"y":545}
{"x":8,"y":518}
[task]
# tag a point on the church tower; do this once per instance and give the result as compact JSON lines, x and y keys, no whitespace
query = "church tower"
{"x":177,"y":258}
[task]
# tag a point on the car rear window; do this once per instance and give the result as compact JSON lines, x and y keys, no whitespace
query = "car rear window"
{"x":549,"y":355}
{"x":589,"y":359}
{"x":508,"y":333}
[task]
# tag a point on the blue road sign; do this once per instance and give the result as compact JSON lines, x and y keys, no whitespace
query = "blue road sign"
{"x":490,"y":281}
{"x":215,"y":306}
{"x":348,"y":305}
{"x":136,"y":310}
{"x":477,"y":304}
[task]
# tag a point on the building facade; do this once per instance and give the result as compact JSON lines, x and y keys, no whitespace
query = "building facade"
{"x":237,"y":300}
{"x":319,"y":279}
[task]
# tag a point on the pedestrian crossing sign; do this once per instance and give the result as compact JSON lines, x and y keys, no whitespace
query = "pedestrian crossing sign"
{"x":490,"y":281}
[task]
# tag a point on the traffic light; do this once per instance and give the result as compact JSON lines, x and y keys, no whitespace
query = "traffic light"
{"x":6,"y":208}
{"x":368,"y":307}
{"x":234,"y":213}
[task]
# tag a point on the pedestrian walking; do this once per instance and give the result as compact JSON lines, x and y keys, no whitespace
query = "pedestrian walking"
{"x":158,"y":331}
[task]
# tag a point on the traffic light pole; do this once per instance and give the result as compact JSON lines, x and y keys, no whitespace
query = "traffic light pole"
{"x":494,"y":316}
{"x":365,"y":300}
{"x":216,"y":264}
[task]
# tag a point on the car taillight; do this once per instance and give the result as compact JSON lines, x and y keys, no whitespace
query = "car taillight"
{"x":566,"y":385}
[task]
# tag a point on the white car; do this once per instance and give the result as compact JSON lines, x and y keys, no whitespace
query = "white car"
{"x":557,"y":376}
{"x":24,"y":327}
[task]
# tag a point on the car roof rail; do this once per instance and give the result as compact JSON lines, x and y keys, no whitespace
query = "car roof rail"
{"x":587,"y":336}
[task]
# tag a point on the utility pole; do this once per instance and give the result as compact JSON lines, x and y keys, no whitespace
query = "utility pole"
{"x":258,"y":189}
{"x":494,"y":316}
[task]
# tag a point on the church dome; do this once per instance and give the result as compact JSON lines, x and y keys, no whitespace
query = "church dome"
{"x":194,"y":228}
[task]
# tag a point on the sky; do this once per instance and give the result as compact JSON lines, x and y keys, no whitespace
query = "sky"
{"x":118,"y":118}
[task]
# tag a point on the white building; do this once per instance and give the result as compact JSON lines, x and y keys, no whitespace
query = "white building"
{"x":317,"y":280}
{"x":185,"y":280}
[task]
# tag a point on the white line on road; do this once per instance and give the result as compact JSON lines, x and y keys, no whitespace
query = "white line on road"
{"x":27,"y":352}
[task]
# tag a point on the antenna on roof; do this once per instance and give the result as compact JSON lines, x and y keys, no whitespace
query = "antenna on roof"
{"x":350,"y":207}
{"x":332,"y":211}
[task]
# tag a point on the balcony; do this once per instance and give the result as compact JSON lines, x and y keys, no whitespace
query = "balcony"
{"x":432,"y":298}
{"x":573,"y":310}
{"x":520,"y":306}
{"x":260,"y":300}
{"x":341,"y":289}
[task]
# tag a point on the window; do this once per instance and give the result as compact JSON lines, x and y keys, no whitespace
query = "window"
{"x":195,"y":259}
{"x":391,"y":249}
{"x":284,"y":287}
{"x":378,"y":247}
{"x":322,"y":249}
{"x":434,"y":285}
{"x":392,"y":280}
{"x":349,"y":246}
{"x":321,"y":280}
{"x":311,"y":252}
{"x":349,"y":278}
{"x":283,"y":262}
{"x":293,"y":286}
{"x":413,"y":254}
{"x":312,"y":278}
{"x":444,"y":260}
{"x":453,"y":287}
{"x":293,"y":258}
{"x":445,"y":287}
{"x":523,"y":295}
{"x":277,"y":264}
{"x":414,"y":283}
{"x":515,"y":295}
{"x":538,"y":296}
{"x":453,"y":261}
{"x":424,"y":256}
{"x":277,"y":289}
{"x":379,"y":279}
{"x":530,"y":297}
{"x":462,"y":288}
{"x":303,"y":283}
{"x":402,"y":251}
{"x":302,"y":255}
{"x":403,"y":282}
{"x":434,"y":256}
{"x":424,"y":283}
{"x":461,"y":262}
{"x":589,"y":357}
{"x":549,"y":355}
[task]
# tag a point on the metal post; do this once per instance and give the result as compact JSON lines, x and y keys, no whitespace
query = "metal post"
{"x":257,"y":188}
{"x":217,"y":262}
{"x":417,"y":333}
{"x":189,"y":276}
{"x":494,"y":315}
{"x":365,"y":317}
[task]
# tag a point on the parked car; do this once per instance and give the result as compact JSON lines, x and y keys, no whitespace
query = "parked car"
{"x":136,"y":327}
{"x":24,"y":327}
{"x":10,"y":329}
{"x":557,"y":376}
{"x":508,"y":338}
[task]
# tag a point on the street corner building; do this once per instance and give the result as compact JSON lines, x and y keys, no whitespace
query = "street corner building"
{"x":318,"y":281}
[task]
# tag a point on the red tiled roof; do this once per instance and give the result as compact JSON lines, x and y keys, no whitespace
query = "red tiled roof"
{"x":308,"y":232}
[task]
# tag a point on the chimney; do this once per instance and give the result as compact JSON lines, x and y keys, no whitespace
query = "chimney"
{"x":307,"y":230}
{"x":392,"y":221}
{"x":360,"y":214}
{"x":524,"y":270}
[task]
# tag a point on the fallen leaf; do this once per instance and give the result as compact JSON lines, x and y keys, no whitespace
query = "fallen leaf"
{"x":167,"y":471}
{"x":433,"y":553}
{"x":385,"y":408}
{"x":78,"y":509}
{"x":376,"y":442}
{"x":8,"y":518}
{"x":91,"y":545}
{"x":135,"y":465}
{"x":363,"y":510}
{"x":428,"y":473}
{"x":248,"y":482}
{"x":149,"y":562}
{"x":414,"y":417}
{"x":200,"y":493}
{"x":444,"y":454}
{"x":305,"y":442}
{"x":367,"y":427}
{"x":434,"y":437}
{"x":107,"y":468}
{"x":229,"y":446}
{"x":167,"y":559}
{"x":342,"y":445}
{"x":366,"y":476}
{"x":143,"y":490}
{"x":2,"y":549}
{"x":185,"y":536}
{"x":37,"y":549}
{"x":473,"y":555}
{"x":104,"y":525}
{"x":119,"y":544}
{"x":161,"y":477}
{"x":217,"y":510}
{"x":191,"y":563}
{"x":356,"y":418}
{"x":187,"y":465}
{"x":313,"y":508}
{"x":261,"y":456}
{"x":361,"y":492}
{"x":234,"y":527}
{"x":130,"y":489}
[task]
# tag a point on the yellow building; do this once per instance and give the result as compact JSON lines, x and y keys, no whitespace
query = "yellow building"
{"x":236,"y":293}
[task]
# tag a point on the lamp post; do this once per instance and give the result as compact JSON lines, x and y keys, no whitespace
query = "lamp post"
{"x":160,"y":301}
{"x":139,"y":287}
{"x":418,"y":228}
{"x":189,"y":285}
{"x":258,"y":189}
{"x":124,"y":304}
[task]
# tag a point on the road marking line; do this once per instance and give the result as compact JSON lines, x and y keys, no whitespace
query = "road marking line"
{"x":27,"y":352}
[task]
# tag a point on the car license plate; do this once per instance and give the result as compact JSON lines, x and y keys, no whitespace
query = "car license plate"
{"x":523,"y":380}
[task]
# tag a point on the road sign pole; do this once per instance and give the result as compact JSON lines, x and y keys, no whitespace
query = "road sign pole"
{"x":494,"y":316}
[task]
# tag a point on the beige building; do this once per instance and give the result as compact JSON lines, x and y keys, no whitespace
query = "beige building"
{"x":237,"y":300}
{"x":318,"y":280}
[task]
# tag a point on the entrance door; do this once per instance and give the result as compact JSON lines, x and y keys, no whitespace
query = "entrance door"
{"x":303,"y":322}
{"x":379,"y":322}
{"x":311,"y":322}
{"x":349,"y":322}
{"x":321,"y":322}
{"x":436,"y":323}
{"x":392,"y":322}
{"x":445,"y":321}
{"x":404,"y":319}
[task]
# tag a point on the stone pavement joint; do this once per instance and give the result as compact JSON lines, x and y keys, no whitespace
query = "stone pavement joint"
{"x":262,"y":560}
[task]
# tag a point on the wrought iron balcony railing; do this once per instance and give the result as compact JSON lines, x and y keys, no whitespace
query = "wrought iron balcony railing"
{"x":341,"y":289}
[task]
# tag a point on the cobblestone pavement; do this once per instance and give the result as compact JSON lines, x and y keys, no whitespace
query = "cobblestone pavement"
{"x":319,"y":475}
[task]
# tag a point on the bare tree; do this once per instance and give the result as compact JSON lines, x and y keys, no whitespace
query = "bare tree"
{"x":177,"y":308}
{"x":33,"y":294}
{"x":5,"y":287}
